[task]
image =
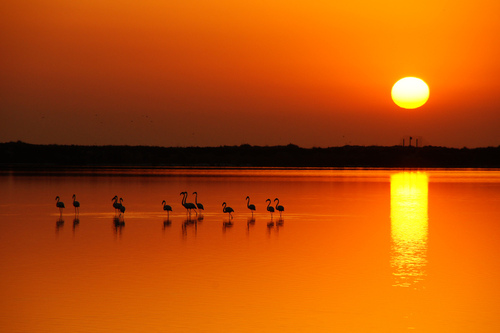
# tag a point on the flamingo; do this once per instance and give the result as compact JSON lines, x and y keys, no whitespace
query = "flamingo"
{"x":122,"y":207}
{"x":270,"y":208}
{"x":227,"y":209}
{"x":199,"y":205}
{"x":188,"y":205}
{"x":60,"y":205}
{"x":250,"y":206}
{"x":116,"y":204}
{"x":279,"y":207}
{"x":76,"y":204}
{"x":166,"y":208}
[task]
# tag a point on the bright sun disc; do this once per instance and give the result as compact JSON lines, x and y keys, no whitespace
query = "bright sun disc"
{"x":410,"y":93}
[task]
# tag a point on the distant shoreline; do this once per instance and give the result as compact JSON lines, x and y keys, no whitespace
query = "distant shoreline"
{"x":15,"y":155}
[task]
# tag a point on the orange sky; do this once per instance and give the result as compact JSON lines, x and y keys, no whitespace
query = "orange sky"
{"x":208,"y":73}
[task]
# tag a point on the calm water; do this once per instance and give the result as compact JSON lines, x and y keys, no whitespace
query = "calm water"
{"x":355,"y":251}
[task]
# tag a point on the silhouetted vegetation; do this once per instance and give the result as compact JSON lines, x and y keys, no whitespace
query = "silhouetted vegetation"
{"x":19,"y":154}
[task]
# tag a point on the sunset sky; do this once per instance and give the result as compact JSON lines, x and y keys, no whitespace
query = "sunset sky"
{"x":220,"y":72}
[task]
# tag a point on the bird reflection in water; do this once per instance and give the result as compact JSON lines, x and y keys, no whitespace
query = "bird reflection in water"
{"x":226,"y":224}
{"x":250,"y":221}
{"x":189,"y":223}
{"x":59,"y":224}
{"x":76,"y":223}
{"x":409,"y":228}
{"x":167,"y":223}
{"x":118,"y":224}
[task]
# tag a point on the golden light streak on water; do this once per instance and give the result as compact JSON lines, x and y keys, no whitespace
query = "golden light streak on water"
{"x":409,"y":228}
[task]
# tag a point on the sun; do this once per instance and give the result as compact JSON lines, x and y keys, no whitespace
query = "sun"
{"x":410,"y":93}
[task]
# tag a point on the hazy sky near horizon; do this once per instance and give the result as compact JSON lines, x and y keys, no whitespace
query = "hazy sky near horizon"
{"x":220,"y":72}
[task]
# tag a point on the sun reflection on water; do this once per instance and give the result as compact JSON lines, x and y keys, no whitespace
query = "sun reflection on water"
{"x":409,"y":228}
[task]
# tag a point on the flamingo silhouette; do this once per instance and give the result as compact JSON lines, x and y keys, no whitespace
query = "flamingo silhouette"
{"x":166,"y":208}
{"x":188,"y":205}
{"x":270,"y":208}
{"x":116,"y":204}
{"x":279,"y":207}
{"x":60,"y":205}
{"x":76,"y":204}
{"x":227,"y":209}
{"x":250,"y":206}
{"x":122,"y":207}
{"x":199,"y":205}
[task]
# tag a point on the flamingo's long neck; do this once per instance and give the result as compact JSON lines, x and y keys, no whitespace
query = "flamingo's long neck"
{"x":196,"y":199}
{"x":248,"y":202}
{"x":277,"y":203}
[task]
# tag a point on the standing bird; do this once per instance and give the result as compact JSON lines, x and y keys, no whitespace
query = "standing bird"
{"x":76,"y":204}
{"x":199,"y":205}
{"x":116,"y":204}
{"x":270,"y":208}
{"x":250,"y":206}
{"x":60,"y":205}
{"x":228,"y":210}
{"x":122,"y":207}
{"x":279,"y":207}
{"x":188,"y":205}
{"x":166,"y":208}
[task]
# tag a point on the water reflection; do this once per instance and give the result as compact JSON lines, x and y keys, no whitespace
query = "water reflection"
{"x":189,"y":223}
{"x":226,"y":224}
{"x":250,"y":223}
{"x":118,"y":224}
{"x":76,"y":223}
{"x":409,"y":228}
{"x":59,"y":224}
{"x":167,"y":223}
{"x":328,"y":271}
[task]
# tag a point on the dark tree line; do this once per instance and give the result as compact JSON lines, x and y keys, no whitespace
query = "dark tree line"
{"x":19,"y":154}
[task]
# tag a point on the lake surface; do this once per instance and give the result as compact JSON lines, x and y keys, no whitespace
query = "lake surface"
{"x":354,"y":251}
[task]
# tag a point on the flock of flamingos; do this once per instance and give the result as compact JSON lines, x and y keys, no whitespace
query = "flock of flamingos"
{"x":196,"y":206}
